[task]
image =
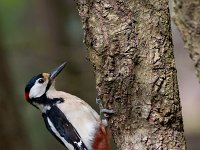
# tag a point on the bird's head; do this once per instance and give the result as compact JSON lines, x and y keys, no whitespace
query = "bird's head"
{"x":40,"y":84}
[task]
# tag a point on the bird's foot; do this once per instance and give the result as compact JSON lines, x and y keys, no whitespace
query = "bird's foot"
{"x":104,"y":112}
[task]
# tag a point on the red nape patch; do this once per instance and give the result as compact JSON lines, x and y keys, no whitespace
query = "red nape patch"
{"x":101,"y":139}
{"x":26,"y":95}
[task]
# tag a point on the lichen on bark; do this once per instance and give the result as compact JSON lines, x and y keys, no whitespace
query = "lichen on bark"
{"x":130,"y":47}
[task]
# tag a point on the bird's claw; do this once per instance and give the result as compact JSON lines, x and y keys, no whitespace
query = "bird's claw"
{"x":104,"y":113}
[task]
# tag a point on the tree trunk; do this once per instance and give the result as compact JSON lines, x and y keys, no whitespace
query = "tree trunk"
{"x":50,"y":22}
{"x":130,"y":46}
{"x":187,"y":19}
{"x":12,"y":130}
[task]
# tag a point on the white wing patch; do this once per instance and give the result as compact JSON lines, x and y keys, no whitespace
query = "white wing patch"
{"x":79,"y":144}
{"x":69,"y":146}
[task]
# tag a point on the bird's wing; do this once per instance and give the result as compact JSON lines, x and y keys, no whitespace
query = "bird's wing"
{"x":62,"y":129}
{"x":49,"y":128}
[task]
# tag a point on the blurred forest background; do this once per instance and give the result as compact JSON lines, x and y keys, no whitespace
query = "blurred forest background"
{"x":38,"y":35}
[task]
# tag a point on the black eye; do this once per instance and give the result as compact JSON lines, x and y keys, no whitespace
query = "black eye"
{"x":41,"y":81}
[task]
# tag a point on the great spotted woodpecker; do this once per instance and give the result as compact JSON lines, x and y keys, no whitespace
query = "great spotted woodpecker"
{"x":70,"y":119}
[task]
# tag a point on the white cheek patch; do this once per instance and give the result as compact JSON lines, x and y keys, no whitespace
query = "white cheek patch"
{"x":37,"y":90}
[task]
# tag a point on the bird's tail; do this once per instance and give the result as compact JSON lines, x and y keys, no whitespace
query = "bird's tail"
{"x":101,"y":139}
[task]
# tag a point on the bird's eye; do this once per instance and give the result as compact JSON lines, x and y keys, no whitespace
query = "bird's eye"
{"x":41,"y":81}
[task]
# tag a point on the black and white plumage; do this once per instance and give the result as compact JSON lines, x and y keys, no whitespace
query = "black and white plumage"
{"x":71,"y":120}
{"x":62,"y":129}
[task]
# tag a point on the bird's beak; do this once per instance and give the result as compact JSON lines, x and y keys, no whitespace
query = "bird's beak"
{"x":56,"y":71}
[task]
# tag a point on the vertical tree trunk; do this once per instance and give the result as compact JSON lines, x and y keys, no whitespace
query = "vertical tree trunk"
{"x":12,"y":135}
{"x":50,"y":22}
{"x":187,"y":19}
{"x":50,"y":17}
{"x":130,"y":46}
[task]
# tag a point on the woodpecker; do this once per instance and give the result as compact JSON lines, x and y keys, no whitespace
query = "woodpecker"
{"x":70,"y":119}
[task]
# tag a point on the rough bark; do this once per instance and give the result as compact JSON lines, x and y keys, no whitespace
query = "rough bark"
{"x":187,"y":19}
{"x":130,"y":46}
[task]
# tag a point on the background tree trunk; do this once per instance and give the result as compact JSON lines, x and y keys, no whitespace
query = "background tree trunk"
{"x":187,"y":19}
{"x":12,"y":130}
{"x":130,"y":46}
